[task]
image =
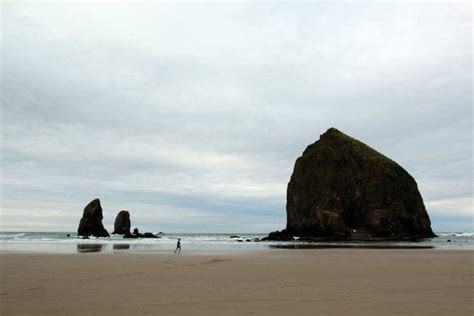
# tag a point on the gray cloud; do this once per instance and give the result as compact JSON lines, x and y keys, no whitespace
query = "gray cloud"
{"x":192,"y":114}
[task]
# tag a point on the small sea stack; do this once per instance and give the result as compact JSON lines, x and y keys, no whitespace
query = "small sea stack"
{"x":91,"y":221}
{"x":137,"y":234}
{"x":122,"y":223}
{"x":343,"y":189}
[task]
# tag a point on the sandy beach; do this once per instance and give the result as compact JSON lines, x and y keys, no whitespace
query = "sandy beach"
{"x":278,"y":282}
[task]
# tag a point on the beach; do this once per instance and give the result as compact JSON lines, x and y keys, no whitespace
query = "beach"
{"x":267,"y":282}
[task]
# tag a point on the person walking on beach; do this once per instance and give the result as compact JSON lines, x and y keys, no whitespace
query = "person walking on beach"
{"x":178,"y":246}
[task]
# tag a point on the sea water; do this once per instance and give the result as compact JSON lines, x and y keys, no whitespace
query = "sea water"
{"x":59,"y":242}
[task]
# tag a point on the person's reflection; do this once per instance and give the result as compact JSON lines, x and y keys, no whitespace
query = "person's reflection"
{"x":89,"y":248}
{"x":121,"y":246}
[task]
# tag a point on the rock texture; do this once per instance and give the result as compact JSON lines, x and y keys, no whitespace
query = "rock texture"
{"x":139,"y":235}
{"x":91,"y":221}
{"x":122,"y":223}
{"x":343,"y":189}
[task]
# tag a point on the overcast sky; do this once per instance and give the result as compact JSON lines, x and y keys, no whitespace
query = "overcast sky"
{"x":191,"y":115}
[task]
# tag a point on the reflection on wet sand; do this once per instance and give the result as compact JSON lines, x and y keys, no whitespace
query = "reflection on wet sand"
{"x":121,"y":246}
{"x":359,"y":246}
{"x":89,"y":248}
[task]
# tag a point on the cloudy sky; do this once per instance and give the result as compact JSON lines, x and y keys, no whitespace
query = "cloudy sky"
{"x":191,"y":115}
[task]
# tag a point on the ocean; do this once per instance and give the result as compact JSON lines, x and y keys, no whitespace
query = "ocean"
{"x":59,"y":242}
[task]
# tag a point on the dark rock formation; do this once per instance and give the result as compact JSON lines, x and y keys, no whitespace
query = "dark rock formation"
{"x":130,"y":236}
{"x":137,"y":234}
{"x":276,"y":235}
{"x":149,"y":235}
{"x":122,"y":223}
{"x":343,"y":189}
{"x":91,"y":221}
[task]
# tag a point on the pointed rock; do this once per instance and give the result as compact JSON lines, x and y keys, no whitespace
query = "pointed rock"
{"x":91,"y":221}
{"x":122,"y":223}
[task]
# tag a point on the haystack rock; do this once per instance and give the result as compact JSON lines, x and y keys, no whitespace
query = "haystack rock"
{"x":122,"y":223}
{"x":343,"y":189}
{"x":91,"y":221}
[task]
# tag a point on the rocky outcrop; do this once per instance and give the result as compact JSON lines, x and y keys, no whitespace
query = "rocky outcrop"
{"x":91,"y":221}
{"x":139,"y":235}
{"x":136,"y":234}
{"x":343,"y":189}
{"x":122,"y":223}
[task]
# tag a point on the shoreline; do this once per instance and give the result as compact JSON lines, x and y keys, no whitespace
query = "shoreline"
{"x":157,"y":246}
{"x":277,"y":282}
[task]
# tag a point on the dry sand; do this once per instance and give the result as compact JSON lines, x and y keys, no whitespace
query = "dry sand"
{"x":278,"y":282}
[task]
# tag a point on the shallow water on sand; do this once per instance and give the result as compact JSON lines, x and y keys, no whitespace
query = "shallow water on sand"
{"x":58,"y":242}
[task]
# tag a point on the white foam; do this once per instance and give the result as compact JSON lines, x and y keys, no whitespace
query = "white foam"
{"x":462,"y":234}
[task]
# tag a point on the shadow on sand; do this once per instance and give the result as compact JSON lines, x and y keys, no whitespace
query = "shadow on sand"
{"x":84,"y":248}
{"x":121,"y":246}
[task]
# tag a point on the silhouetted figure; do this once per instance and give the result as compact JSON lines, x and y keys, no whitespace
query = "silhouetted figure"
{"x":178,"y":246}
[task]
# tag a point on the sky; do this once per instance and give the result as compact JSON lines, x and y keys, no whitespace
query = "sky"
{"x":191,"y":115}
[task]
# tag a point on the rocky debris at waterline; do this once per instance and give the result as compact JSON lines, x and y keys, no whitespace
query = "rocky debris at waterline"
{"x":122,"y":223}
{"x":91,"y":221}
{"x":139,"y":235}
{"x":239,"y":239}
{"x":136,"y":234}
{"x":341,"y":189}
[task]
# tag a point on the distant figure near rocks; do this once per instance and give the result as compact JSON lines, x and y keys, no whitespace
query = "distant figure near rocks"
{"x":178,"y":246}
{"x":343,"y":189}
{"x":91,"y":221}
{"x":122,"y":223}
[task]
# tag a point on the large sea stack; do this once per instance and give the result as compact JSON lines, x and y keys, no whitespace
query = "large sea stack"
{"x":122,"y":223}
{"x":343,"y":189}
{"x":91,"y":221}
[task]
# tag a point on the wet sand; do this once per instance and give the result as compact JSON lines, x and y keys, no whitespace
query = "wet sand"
{"x":273,"y":282}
